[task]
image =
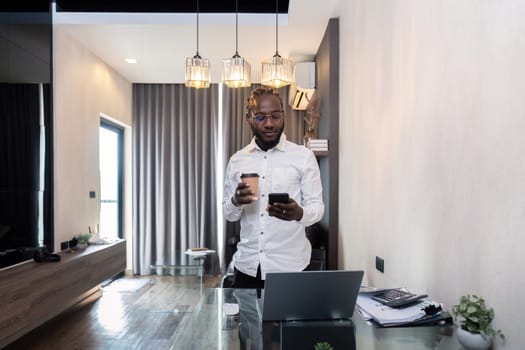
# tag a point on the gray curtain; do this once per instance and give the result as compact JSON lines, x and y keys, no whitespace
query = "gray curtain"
{"x":237,"y":134}
{"x":174,"y":154}
{"x":294,"y":127}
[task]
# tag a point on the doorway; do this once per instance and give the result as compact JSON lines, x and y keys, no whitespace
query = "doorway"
{"x":111,"y":146}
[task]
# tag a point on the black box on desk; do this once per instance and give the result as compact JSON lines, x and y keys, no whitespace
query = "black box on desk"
{"x":306,"y":334}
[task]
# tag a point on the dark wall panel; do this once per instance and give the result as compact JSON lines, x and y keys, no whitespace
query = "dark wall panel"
{"x":25,"y":49}
{"x":327,"y":77}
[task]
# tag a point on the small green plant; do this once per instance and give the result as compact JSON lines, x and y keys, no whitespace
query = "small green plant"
{"x":475,"y":317}
{"x":323,"y":346}
{"x":83,"y":238}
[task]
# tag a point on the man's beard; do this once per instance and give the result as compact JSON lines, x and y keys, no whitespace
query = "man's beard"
{"x":263,"y":140}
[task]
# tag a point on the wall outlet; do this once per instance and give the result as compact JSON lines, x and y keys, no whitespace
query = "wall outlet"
{"x":380,"y":264}
{"x":64,"y":245}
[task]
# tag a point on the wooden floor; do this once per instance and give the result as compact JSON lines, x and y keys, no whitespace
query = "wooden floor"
{"x":145,"y":319}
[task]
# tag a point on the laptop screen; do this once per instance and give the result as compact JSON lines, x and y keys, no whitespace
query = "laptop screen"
{"x":310,"y":295}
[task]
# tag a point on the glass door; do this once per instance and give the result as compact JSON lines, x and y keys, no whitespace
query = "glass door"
{"x":111,"y":173}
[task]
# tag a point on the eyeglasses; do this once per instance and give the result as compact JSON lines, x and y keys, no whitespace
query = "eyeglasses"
{"x":274,"y":116}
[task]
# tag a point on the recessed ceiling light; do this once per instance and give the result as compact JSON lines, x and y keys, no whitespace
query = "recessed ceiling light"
{"x":131,"y":60}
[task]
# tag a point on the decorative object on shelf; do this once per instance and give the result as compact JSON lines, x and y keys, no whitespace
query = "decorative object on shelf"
{"x":475,"y":331}
{"x":317,"y":144}
{"x":43,"y":255}
{"x":197,"y":68}
{"x":236,"y":70}
{"x":277,"y":71}
{"x":83,"y":240}
{"x":312,"y":117}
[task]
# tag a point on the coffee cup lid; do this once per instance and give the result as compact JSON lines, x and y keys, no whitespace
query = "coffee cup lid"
{"x":249,"y":175}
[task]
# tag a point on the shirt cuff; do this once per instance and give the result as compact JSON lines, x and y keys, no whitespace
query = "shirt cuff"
{"x":310,"y":216}
{"x":302,"y":220}
{"x":229,"y":207}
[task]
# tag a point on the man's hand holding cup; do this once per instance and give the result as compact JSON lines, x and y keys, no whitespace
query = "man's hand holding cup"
{"x":247,"y":190}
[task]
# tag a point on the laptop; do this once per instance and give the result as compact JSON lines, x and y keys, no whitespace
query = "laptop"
{"x":310,"y":295}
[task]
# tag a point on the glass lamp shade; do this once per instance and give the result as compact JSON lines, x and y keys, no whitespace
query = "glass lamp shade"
{"x":236,"y":72}
{"x":277,"y":72}
{"x":197,"y":72}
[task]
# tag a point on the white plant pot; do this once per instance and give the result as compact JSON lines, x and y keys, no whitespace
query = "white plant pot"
{"x":82,"y":246}
{"x":473,"y":341}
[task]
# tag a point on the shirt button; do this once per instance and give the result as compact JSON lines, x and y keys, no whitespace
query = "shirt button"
{"x":262,"y":195}
{"x":263,"y":177}
{"x":262,"y":233}
{"x":265,"y":157}
{"x":262,"y":214}
{"x":260,"y":251}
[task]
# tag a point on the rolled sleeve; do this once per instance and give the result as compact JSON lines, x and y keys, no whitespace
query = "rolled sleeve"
{"x":230,"y":211}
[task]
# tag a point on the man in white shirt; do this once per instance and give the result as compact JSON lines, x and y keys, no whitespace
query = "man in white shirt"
{"x":272,"y":237}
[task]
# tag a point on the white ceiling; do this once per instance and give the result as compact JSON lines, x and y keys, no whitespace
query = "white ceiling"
{"x":161,"y":42}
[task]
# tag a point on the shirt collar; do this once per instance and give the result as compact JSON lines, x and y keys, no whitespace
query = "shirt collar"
{"x":280,"y":145}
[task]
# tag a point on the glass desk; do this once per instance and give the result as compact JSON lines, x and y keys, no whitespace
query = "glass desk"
{"x":185,"y":262}
{"x":208,"y":327}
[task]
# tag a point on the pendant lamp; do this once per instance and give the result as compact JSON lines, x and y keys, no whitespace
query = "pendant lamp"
{"x":236,"y":70}
{"x":277,"y":71}
{"x":197,"y":68}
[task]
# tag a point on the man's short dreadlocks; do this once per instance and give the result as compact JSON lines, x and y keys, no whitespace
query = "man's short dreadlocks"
{"x":259,"y":91}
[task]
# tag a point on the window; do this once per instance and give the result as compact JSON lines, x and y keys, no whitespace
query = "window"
{"x":111,"y":141}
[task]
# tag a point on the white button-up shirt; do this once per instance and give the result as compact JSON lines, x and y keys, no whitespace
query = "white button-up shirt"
{"x":274,"y":244}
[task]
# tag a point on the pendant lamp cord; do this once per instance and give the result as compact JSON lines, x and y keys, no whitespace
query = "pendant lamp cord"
{"x":198,"y":28}
{"x":277,"y":27}
{"x":236,"y":27}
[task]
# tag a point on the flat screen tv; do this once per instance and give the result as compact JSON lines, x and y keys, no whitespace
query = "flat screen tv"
{"x":22,"y":166}
{"x":26,"y":157}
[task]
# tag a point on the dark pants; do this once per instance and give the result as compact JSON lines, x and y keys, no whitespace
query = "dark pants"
{"x":242,"y":280}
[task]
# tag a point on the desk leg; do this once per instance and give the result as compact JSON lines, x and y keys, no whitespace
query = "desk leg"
{"x":200,"y":271}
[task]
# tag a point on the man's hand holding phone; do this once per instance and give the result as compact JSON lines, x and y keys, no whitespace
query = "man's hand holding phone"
{"x":283,"y":207}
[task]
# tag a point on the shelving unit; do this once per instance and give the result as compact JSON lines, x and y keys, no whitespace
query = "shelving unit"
{"x":33,"y":293}
{"x":319,"y":154}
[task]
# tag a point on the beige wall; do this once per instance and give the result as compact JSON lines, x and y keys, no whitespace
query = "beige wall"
{"x":84,"y":88}
{"x":432,"y":149}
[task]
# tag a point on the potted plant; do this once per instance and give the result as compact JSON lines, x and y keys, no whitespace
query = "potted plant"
{"x":475,"y":323}
{"x":83,"y":240}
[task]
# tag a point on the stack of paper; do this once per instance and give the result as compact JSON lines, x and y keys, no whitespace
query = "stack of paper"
{"x":388,"y":316}
{"x":317,"y":144}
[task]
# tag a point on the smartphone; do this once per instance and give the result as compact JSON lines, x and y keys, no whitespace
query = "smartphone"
{"x":278,"y":198}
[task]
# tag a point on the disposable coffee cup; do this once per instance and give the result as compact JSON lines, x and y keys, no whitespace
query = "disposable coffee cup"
{"x":252,"y":179}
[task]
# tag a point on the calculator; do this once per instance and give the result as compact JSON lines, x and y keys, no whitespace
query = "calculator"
{"x":397,"y":297}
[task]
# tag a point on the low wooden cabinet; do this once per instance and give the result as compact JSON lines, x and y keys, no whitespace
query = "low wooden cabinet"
{"x":32,"y":293}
